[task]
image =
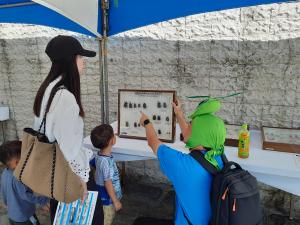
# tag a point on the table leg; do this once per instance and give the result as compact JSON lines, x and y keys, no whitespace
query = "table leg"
{"x":123,"y":173}
{"x":291,"y":216}
{"x":292,"y":207}
{"x":3,"y":135}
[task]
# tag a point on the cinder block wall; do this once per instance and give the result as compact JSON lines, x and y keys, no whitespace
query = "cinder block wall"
{"x":255,"y":50}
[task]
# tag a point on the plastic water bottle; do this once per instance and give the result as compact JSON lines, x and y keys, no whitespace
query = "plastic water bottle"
{"x":244,"y":142}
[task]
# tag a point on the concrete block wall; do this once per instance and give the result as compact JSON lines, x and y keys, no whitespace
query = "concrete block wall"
{"x":255,"y":50}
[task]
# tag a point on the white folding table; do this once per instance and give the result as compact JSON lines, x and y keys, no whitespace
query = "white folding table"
{"x":277,"y":169}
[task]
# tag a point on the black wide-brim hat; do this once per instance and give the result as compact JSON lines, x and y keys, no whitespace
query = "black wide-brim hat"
{"x":63,"y":47}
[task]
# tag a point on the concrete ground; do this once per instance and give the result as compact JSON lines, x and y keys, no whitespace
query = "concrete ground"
{"x":146,"y":200}
{"x":138,"y":200}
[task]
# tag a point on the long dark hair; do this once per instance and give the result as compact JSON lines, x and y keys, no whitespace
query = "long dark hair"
{"x":70,"y":79}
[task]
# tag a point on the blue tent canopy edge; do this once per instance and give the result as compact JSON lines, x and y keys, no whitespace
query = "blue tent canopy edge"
{"x":38,"y":15}
{"x":125,"y":16}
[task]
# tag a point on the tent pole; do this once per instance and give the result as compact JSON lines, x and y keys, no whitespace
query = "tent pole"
{"x":101,"y":87}
{"x":103,"y":63}
{"x":105,"y":68}
{"x":17,"y":5}
{"x":104,"y":73}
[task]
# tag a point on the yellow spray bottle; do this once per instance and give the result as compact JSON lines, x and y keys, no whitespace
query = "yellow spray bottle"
{"x":244,"y":142}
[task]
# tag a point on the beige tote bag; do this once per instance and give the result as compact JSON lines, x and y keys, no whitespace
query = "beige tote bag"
{"x":44,"y":169}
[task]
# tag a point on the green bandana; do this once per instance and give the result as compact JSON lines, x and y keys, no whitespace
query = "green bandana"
{"x":208,"y":130}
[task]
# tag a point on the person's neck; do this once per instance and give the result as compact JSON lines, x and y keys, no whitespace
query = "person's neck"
{"x":199,"y":148}
{"x":106,"y":151}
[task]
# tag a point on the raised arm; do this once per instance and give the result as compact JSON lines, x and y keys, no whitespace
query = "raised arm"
{"x":152,"y":137}
{"x":184,"y":126}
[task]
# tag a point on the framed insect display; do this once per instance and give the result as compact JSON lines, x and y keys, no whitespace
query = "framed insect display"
{"x":156,"y":104}
{"x":281,"y":139}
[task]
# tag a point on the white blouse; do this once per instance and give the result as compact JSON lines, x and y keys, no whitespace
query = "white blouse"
{"x":64,"y":125}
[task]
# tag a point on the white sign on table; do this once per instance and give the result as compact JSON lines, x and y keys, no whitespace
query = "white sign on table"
{"x":77,"y":213}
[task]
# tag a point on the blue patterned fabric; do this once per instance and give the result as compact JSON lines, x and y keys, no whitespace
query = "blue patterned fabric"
{"x":106,"y":169}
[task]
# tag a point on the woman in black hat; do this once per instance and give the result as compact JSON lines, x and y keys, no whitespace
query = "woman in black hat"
{"x":59,"y":96}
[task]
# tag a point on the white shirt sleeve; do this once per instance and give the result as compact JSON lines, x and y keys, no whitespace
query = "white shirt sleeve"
{"x":68,"y":132}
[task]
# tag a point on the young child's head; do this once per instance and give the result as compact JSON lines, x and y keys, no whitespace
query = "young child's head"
{"x":103,"y":136}
{"x":10,"y":153}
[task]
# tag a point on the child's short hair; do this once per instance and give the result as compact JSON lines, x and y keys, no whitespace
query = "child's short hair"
{"x":10,"y":150}
{"x":101,"y":135}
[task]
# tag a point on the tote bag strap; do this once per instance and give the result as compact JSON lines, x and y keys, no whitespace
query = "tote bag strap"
{"x":53,"y":171}
{"x":25,"y":162}
{"x":43,"y":123}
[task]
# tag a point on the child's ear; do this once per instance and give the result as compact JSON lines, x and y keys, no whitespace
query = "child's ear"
{"x":114,"y":140}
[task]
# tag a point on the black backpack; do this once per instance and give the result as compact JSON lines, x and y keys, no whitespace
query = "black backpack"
{"x":234,"y":195}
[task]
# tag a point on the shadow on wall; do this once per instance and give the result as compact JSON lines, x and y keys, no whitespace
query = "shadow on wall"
{"x":267,"y":72}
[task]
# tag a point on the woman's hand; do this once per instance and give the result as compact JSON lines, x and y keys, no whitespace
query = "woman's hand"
{"x":143,"y":118}
{"x":46,"y":208}
{"x":117,"y":205}
{"x":85,"y":192}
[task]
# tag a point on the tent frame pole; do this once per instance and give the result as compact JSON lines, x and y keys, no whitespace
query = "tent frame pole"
{"x":101,"y":86}
{"x":104,"y":73}
{"x":103,"y":63}
{"x":16,"y":5}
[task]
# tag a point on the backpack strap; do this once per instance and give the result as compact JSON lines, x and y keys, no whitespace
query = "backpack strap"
{"x":185,"y":216}
{"x":224,"y":158}
{"x":199,"y":157}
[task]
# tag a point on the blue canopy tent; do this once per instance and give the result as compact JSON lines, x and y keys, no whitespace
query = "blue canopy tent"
{"x":122,"y":16}
{"x":103,"y":18}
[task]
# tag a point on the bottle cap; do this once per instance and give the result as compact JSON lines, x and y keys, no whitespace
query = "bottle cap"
{"x":245,"y":126}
